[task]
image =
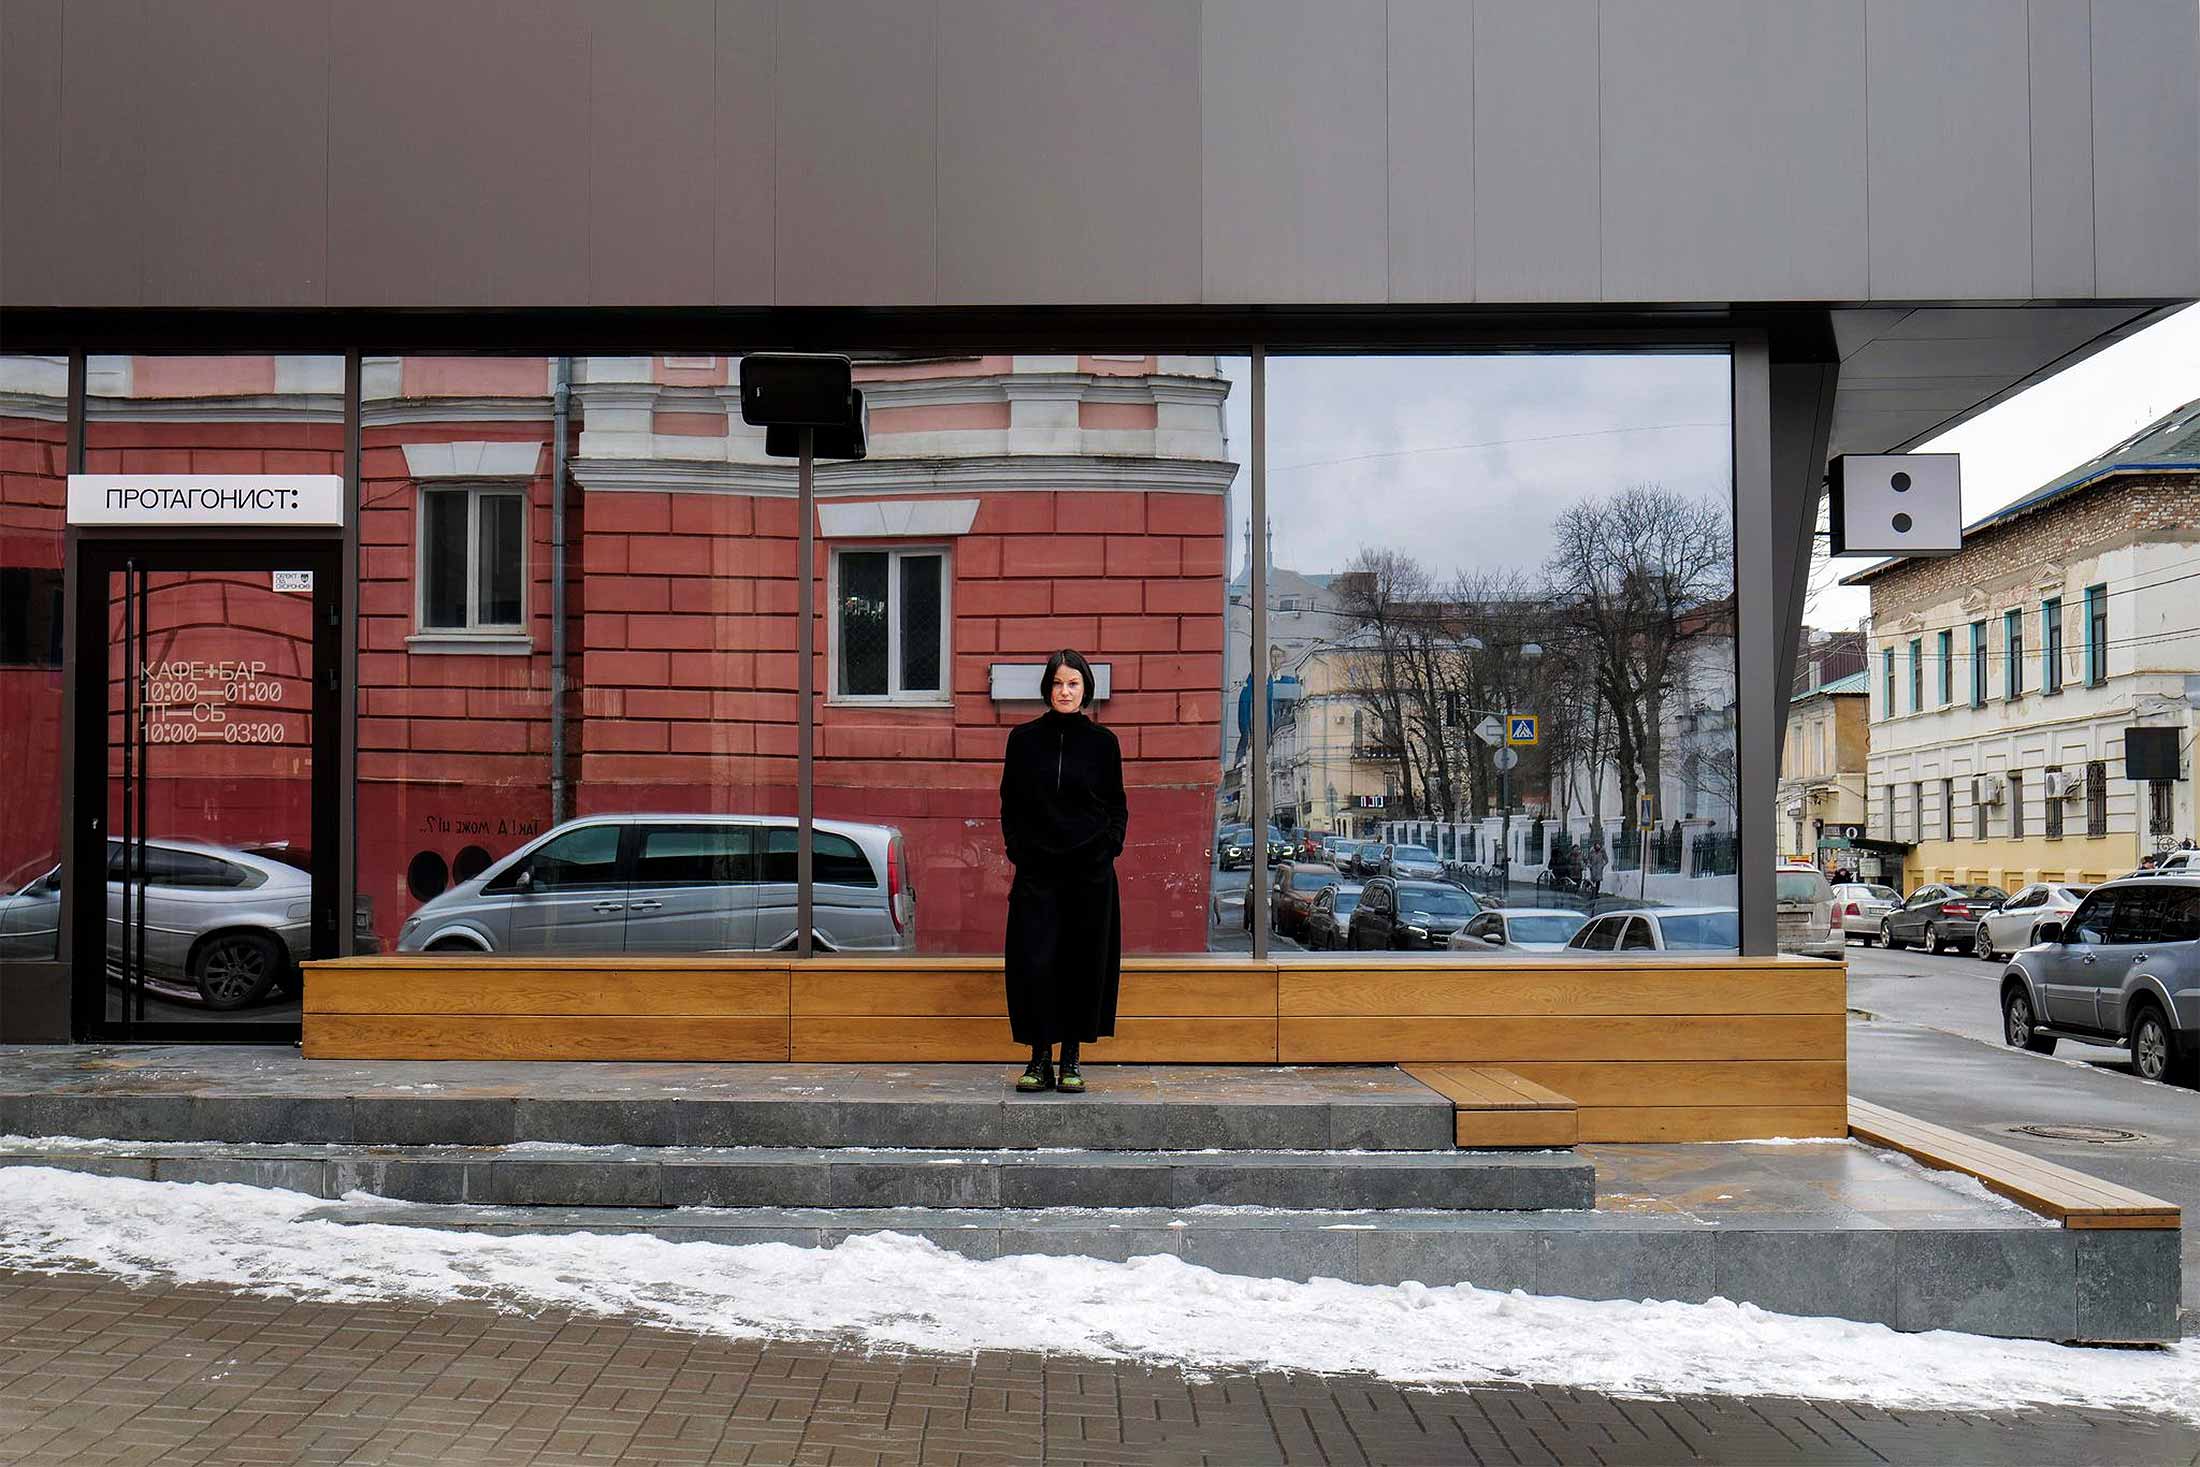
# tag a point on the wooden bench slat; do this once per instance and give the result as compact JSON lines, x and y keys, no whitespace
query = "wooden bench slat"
{"x":2071,"y":1197}
{"x":1534,"y":1094}
{"x":1958,"y":1144}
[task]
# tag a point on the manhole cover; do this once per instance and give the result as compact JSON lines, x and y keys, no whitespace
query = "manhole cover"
{"x":2099,"y":1135}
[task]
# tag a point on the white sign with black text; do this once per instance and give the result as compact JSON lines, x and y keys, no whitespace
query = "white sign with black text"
{"x":159,"y":501}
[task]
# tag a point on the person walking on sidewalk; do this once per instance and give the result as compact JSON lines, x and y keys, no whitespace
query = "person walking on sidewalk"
{"x":1063,"y":819}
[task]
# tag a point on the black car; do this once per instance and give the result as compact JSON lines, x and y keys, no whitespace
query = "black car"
{"x":1408,"y":914}
{"x":1940,"y":916}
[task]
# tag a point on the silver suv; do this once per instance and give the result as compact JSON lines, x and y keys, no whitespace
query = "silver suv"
{"x":2125,"y":969}
{"x":676,"y":884}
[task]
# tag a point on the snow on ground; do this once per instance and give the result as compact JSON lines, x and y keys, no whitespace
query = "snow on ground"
{"x":896,"y":1290}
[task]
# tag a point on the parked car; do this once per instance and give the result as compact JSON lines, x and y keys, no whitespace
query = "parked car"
{"x":223,"y":925}
{"x":1296,"y":886}
{"x":1339,"y":850}
{"x":1330,"y":916}
{"x":2013,"y":924}
{"x":1518,"y":931}
{"x":2170,"y":863}
{"x":1859,"y":905}
{"x":1394,"y":913}
{"x":1679,"y":930}
{"x":1237,"y":847}
{"x":1311,"y":845}
{"x":1803,"y":899}
{"x":1411,"y":863}
{"x":1939,"y":916}
{"x":2124,"y":970}
{"x":677,"y":884}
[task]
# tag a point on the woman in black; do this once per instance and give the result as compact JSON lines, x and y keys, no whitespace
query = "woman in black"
{"x":1063,"y":817}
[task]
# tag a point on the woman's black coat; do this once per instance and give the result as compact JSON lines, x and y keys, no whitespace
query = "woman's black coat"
{"x":1063,"y":817}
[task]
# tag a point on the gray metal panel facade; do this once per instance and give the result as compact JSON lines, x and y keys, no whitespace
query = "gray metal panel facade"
{"x":1294,"y":130}
{"x":857,"y":189}
{"x":1949,"y":169}
{"x":2061,"y":123}
{"x":2146,"y":146}
{"x":652,"y":137}
{"x":1536,"y":166}
{"x":1733,"y":146}
{"x":1104,"y":95}
{"x":470,"y":153}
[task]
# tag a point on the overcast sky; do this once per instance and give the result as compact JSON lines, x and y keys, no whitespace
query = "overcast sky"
{"x":1466,"y":462}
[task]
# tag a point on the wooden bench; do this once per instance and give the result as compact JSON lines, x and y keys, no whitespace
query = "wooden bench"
{"x":2071,"y":1198}
{"x":1495,"y":1107}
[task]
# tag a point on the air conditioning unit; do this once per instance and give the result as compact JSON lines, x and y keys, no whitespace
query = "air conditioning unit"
{"x":1986,"y":789}
{"x":2061,"y":786}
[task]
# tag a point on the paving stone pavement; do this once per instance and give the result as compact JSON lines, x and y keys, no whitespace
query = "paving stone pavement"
{"x":93,"y":1370}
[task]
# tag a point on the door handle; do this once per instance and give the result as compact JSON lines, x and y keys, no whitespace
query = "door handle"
{"x":644,"y":906}
{"x":609,"y":907}
{"x":2140,"y":959}
{"x":2088,"y":960}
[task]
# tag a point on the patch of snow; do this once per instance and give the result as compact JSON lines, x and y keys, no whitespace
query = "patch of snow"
{"x":893,"y":1289}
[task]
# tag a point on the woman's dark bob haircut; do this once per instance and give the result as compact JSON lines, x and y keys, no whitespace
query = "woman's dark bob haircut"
{"x":1067,"y":657}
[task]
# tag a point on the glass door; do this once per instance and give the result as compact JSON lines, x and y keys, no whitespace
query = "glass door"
{"x":205,"y":792}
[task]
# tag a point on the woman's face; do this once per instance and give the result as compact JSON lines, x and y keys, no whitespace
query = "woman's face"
{"x":1067,"y":695}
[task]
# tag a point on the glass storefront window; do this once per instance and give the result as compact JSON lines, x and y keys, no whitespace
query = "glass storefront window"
{"x":33,"y":481}
{"x":1500,"y":664}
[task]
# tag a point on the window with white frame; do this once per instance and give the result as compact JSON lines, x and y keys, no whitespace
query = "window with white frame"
{"x":473,"y":559}
{"x":889,"y":624}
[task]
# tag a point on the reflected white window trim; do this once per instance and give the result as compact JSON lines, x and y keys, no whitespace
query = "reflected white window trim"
{"x":895,"y":696}
{"x":475,"y":636}
{"x":470,"y":644}
{"x":888,"y":518}
{"x":472,"y":460}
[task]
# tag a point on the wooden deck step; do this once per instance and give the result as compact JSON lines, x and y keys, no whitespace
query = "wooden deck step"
{"x":2070,"y":1197}
{"x":1492,"y":1106}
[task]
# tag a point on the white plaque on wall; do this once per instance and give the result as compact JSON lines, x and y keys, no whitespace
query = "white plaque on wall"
{"x":155,"y":501}
{"x":1018,"y":682}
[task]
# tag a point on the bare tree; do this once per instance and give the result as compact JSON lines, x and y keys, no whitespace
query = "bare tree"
{"x":1632,"y":572}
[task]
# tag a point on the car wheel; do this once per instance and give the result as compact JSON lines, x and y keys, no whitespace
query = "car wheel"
{"x":2154,"y":1049}
{"x":1932,"y":937}
{"x":451,"y":945}
{"x":236,"y":969}
{"x":1886,"y":937}
{"x":2017,"y":1027}
{"x":1982,"y":946}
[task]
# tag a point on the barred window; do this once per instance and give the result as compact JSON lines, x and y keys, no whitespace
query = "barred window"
{"x":2096,"y":798}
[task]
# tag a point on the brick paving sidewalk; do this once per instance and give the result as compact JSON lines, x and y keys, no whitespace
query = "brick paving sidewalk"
{"x":95,"y":1371}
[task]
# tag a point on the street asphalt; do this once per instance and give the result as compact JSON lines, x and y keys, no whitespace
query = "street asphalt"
{"x":1925,"y":1039}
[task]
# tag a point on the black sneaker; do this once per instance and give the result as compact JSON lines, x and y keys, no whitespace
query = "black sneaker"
{"x":1070,"y":1082}
{"x":1037,"y":1076}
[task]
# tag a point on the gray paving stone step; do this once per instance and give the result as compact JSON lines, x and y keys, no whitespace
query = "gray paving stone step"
{"x":234,"y":1093}
{"x":542,"y":1175}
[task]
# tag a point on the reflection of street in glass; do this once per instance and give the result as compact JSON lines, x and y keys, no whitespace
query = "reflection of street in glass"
{"x":224,"y":926}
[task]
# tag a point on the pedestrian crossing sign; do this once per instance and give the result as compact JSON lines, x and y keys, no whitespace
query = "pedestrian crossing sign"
{"x":1520,"y":728}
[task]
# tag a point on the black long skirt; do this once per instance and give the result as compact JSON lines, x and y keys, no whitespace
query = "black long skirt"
{"x":1064,"y":956}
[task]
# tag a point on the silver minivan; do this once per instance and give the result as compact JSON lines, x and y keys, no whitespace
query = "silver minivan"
{"x":677,"y":884}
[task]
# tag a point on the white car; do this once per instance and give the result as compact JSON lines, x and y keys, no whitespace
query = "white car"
{"x":1517,"y":931}
{"x":1805,"y":901}
{"x":2010,"y":927}
{"x":1678,"y":931}
{"x":1860,"y":906}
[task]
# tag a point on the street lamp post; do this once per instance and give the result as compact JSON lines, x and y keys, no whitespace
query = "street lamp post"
{"x":1504,"y":772}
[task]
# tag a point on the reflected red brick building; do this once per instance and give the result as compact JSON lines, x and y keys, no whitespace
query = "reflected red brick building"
{"x":1010,"y":506}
